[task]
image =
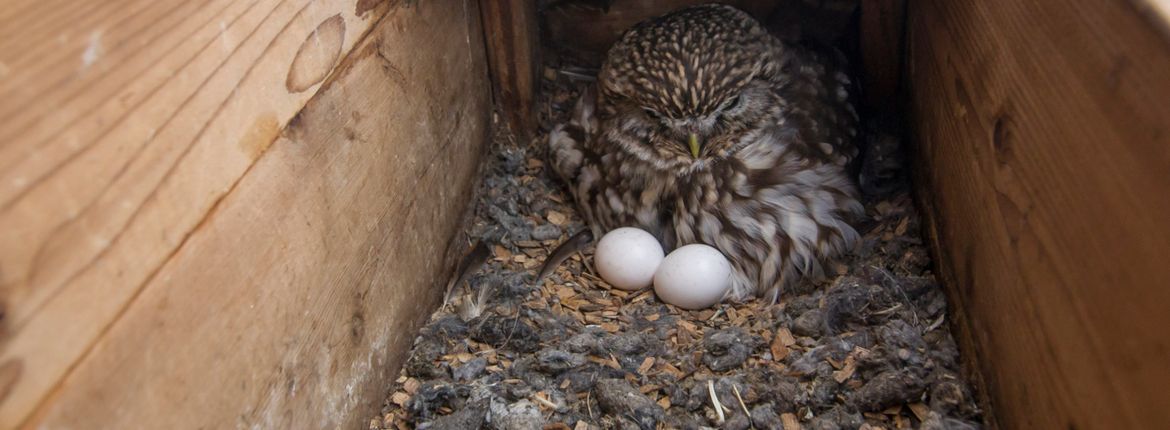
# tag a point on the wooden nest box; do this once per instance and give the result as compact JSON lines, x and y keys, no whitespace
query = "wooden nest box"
{"x":235,"y":214}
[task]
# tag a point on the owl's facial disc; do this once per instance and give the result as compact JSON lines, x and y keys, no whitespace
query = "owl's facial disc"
{"x":689,"y":135}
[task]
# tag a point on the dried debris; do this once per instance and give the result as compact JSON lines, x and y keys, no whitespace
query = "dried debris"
{"x":511,"y":350}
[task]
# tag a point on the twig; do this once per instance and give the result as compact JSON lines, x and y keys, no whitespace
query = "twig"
{"x":515,"y":322}
{"x":545,"y":402}
{"x":715,"y":402}
{"x":578,"y":76}
{"x":588,"y":406}
{"x":901,"y":291}
{"x":735,"y":388}
{"x":890,"y":310}
{"x":935,"y":324}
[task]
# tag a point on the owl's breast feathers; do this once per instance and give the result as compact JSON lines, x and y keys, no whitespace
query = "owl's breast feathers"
{"x":776,"y":208}
{"x":776,"y":213}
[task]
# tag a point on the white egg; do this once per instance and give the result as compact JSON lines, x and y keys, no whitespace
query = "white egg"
{"x":627,"y":258}
{"x":693,"y":277}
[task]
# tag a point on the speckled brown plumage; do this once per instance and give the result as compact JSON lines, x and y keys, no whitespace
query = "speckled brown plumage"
{"x":704,"y":128}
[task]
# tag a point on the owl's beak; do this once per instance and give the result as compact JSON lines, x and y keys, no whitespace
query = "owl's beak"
{"x":693,"y":142}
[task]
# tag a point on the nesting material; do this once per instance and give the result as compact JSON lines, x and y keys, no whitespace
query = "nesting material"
{"x":867,"y":348}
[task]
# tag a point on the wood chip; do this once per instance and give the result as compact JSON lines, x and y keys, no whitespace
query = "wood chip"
{"x":847,"y":370}
{"x":646,"y":365}
{"x":673,"y":371}
{"x":785,"y":336}
{"x":920,"y":411}
{"x":790,"y":422}
{"x":411,"y":386}
{"x":901,"y":229}
{"x":664,"y":402}
{"x":564,"y":292}
{"x":400,"y":399}
{"x":581,"y":425}
{"x":613,"y":364}
{"x":778,"y":348}
{"x":557,"y":426}
{"x":643,"y":295}
{"x":557,"y":218}
{"x":501,"y":254}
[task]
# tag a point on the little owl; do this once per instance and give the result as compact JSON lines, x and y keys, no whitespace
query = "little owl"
{"x":705,"y":128}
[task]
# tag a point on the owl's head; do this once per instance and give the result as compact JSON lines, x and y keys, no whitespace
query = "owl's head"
{"x":689,"y":82}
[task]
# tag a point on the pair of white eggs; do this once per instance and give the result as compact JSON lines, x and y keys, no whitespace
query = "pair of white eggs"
{"x":692,"y":277}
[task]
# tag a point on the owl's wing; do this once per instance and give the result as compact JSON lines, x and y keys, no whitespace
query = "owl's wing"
{"x":574,"y":159}
{"x":820,"y":99}
{"x":567,"y":142}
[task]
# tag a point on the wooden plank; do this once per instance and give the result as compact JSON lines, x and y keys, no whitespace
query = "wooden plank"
{"x":883,"y":29}
{"x":1042,"y":133}
{"x":110,"y":110}
{"x":590,"y":27}
{"x":827,"y":22}
{"x":164,"y":263}
{"x":512,"y":38}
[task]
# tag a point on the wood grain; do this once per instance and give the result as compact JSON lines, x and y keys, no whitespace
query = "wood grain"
{"x":512,"y":39}
{"x":1043,"y":150}
{"x":169,"y":258}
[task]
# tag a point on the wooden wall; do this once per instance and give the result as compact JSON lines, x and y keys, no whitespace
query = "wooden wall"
{"x":1042,"y":134}
{"x":590,"y":26}
{"x":221,"y":214}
